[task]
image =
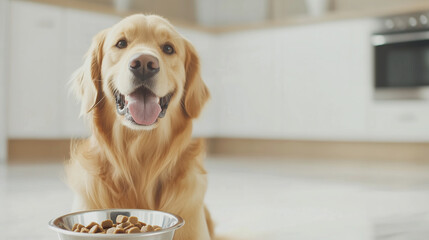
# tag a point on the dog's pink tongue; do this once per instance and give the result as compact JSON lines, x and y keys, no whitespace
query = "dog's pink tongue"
{"x":144,"y":107}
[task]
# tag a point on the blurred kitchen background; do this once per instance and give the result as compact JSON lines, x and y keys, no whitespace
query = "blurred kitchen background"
{"x":318,"y":126}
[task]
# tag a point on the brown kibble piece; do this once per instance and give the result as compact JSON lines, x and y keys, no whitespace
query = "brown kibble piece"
{"x":84,"y":230}
{"x":129,"y":226}
{"x":142,"y":223}
{"x":75,"y":226}
{"x":80,"y":226}
{"x":147,"y":228}
{"x":121,"y":219}
{"x":150,"y":228}
{"x":111,"y":230}
{"x":133,"y":220}
{"x":156,"y":228}
{"x":119,"y":230}
{"x":95,"y":229}
{"x":107,"y":224}
{"x":133,"y":230}
{"x":92,"y":224}
{"x":114,"y":225}
{"x":138,"y":225}
{"x":124,"y":225}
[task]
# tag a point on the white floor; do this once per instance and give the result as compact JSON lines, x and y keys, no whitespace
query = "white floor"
{"x":258,"y":199}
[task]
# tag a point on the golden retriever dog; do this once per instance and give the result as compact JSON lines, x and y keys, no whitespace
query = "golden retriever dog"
{"x":140,"y":88}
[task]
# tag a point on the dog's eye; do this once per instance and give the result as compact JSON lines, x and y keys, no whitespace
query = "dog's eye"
{"x":168,"y":49}
{"x":121,"y":44}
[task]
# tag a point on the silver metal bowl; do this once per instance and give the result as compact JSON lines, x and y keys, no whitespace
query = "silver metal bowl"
{"x":169,"y":223}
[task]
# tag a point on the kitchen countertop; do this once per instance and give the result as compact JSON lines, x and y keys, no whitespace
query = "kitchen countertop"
{"x":297,"y":20}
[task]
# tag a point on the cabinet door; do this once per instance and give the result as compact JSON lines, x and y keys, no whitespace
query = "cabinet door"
{"x":36,"y":67}
{"x":81,"y":27}
{"x":326,"y":76}
{"x":296,"y":82}
{"x":396,"y":120}
{"x":4,"y":23}
{"x":249,"y":99}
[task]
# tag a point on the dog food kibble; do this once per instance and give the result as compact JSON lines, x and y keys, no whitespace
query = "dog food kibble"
{"x":121,"y":219}
{"x":107,"y":224}
{"x":133,"y":220}
{"x":133,"y":230}
{"x":111,"y":230}
{"x":128,"y":227}
{"x":123,"y":224}
{"x":147,"y":228}
{"x":92,"y":224}
{"x":77,"y":227}
{"x":95,"y":229}
{"x":119,"y":230}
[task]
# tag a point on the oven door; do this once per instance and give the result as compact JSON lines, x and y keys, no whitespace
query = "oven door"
{"x":401,"y":60}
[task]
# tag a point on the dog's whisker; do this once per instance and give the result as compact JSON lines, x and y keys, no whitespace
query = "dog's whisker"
{"x":95,"y":105}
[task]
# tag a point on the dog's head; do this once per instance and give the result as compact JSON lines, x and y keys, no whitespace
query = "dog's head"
{"x":140,"y":70}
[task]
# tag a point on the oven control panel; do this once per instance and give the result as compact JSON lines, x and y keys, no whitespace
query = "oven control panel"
{"x":406,"y":22}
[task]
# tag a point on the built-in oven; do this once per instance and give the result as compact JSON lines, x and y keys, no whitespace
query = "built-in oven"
{"x":401,"y":57}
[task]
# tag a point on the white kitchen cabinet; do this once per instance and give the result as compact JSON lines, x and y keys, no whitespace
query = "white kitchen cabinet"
{"x":326,"y":79}
{"x":4,"y":27}
{"x":302,"y":82}
{"x":47,"y":44}
{"x":249,"y":102}
{"x":36,"y":70}
{"x":399,"y":120}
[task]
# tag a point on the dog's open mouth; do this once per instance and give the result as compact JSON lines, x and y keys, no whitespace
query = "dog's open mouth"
{"x":142,"y":106}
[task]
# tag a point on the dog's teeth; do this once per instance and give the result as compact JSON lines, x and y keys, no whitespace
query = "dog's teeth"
{"x":157,"y":100}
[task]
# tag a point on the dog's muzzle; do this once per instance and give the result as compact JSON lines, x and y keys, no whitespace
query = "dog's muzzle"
{"x":142,"y":106}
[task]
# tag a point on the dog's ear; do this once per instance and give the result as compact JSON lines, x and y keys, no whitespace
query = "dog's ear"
{"x":86,"y":80}
{"x":196,"y":92}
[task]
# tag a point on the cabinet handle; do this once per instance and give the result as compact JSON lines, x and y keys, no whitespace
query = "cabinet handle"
{"x":383,"y":39}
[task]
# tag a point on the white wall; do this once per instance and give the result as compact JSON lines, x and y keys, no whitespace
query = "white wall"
{"x":4,"y":21}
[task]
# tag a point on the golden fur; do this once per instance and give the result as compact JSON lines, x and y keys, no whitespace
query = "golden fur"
{"x":157,"y":167}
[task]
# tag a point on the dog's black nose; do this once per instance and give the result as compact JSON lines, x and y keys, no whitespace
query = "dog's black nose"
{"x":144,"y":66}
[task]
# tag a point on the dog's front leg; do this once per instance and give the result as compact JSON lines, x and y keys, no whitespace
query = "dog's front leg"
{"x":195,"y":227}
